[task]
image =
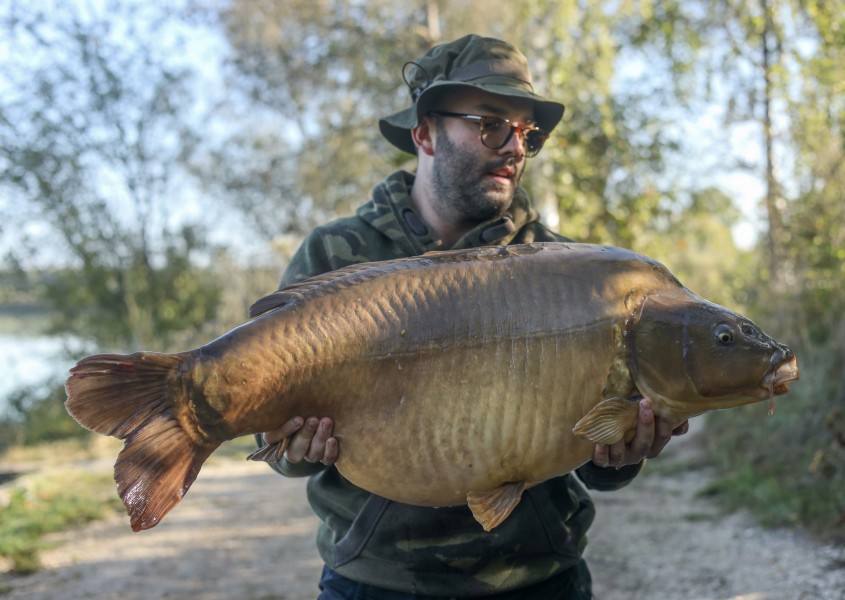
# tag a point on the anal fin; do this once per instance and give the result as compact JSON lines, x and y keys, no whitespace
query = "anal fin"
{"x":492,"y":507}
{"x":270,"y":453}
{"x":609,"y":421}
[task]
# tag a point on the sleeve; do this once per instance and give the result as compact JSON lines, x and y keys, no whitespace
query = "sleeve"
{"x":607,"y":479}
{"x":311,"y":259}
{"x":336,"y":245}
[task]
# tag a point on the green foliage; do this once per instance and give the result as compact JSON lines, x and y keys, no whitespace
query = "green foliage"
{"x":137,"y":303}
{"x":295,"y":60}
{"x":817,"y":234}
{"x":695,"y":241}
{"x":36,"y":414}
{"x":818,"y":253}
{"x":602,"y":170}
{"x":47,"y":504}
{"x":96,"y":123}
{"x":789,"y":469}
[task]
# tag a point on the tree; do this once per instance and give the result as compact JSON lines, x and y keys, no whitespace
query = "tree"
{"x":297,"y":58}
{"x":606,"y":161}
{"x":774,"y":65}
{"x":779,"y":65}
{"x":324,"y":73}
{"x":817,"y":236}
{"x":95,"y":119}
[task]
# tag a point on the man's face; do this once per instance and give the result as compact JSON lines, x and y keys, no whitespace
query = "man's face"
{"x":473,"y":183}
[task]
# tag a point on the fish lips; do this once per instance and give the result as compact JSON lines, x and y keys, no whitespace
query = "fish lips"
{"x":777,"y":380}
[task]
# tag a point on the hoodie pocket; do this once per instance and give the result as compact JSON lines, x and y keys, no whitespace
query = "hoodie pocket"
{"x":366,"y":521}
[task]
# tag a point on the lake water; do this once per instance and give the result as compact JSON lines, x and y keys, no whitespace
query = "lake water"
{"x":30,"y":360}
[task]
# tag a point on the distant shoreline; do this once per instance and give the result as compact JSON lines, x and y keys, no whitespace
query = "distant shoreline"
{"x":18,"y":318}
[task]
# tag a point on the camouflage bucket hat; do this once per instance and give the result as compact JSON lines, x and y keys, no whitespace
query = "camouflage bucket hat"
{"x":472,"y":61}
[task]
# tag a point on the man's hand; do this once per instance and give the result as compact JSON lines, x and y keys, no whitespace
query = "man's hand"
{"x":652,"y":436}
{"x":310,"y":440}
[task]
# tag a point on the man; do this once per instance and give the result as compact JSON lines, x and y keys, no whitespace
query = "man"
{"x":474,"y":121}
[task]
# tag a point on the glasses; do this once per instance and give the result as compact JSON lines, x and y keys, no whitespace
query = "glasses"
{"x":497,"y":131}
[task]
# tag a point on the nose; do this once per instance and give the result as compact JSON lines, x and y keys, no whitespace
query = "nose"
{"x":516,"y":144}
{"x":783,"y":354}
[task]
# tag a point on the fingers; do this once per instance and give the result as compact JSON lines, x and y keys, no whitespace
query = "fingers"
{"x":331,"y":451}
{"x":642,"y":444}
{"x":322,"y":444}
{"x":313,"y":442}
{"x":601,"y":455}
{"x":663,"y":433}
{"x":651,"y":437}
{"x":621,"y":453}
{"x":275,"y":436}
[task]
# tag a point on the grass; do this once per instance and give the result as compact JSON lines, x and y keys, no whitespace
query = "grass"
{"x":35,"y":506}
{"x":788,"y":469}
{"x":62,"y":485}
{"x":74,"y":488}
{"x":667,"y":468}
{"x":67,"y":452}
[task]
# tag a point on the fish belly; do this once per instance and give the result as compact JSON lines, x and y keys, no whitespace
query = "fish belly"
{"x":429,"y":428}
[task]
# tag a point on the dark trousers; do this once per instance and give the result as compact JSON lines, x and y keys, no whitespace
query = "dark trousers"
{"x":573,"y":584}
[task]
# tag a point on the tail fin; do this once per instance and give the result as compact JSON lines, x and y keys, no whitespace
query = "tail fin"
{"x":130,"y":397}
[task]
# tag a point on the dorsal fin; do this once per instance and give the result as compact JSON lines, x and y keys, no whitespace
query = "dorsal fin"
{"x":358,"y":273}
{"x":303,"y":289}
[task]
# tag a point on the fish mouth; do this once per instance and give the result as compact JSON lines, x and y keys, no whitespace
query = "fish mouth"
{"x":777,"y":381}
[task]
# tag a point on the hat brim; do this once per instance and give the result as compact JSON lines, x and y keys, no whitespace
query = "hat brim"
{"x":396,"y":128}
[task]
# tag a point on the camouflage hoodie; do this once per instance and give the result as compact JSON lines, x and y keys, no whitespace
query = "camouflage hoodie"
{"x":437,"y":551}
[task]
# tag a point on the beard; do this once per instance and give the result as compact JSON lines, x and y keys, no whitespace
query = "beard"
{"x":464,"y":191}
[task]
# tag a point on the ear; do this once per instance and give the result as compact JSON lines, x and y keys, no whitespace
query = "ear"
{"x":423,"y":137}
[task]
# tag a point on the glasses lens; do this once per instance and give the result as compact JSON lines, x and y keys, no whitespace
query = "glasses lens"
{"x":534,"y":140}
{"x":495,"y":132}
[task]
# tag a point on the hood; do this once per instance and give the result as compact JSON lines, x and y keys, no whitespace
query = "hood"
{"x":391,"y":213}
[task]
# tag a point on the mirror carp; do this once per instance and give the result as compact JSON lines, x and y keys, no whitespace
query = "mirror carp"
{"x":453,"y":377}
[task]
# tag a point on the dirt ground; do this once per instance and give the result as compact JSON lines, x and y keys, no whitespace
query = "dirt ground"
{"x":245,"y":533}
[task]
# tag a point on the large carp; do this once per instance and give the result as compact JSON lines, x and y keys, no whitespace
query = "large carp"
{"x":453,"y":377}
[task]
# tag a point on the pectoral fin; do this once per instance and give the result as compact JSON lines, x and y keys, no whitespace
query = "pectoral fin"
{"x":492,"y":507}
{"x":608,"y":421}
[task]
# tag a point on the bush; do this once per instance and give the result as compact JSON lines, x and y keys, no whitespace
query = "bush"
{"x":789,"y":470}
{"x":47,"y":504}
{"x":37,"y":414}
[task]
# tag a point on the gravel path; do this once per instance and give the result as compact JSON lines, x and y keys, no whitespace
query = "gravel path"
{"x":659,"y":539}
{"x":244,"y":533}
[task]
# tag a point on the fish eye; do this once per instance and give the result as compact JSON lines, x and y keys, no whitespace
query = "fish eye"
{"x":724,"y":335}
